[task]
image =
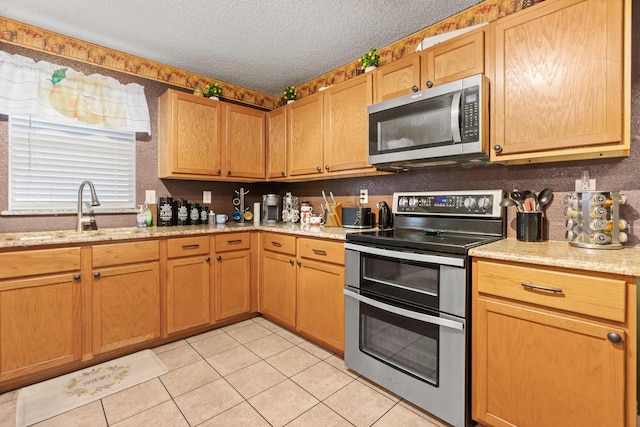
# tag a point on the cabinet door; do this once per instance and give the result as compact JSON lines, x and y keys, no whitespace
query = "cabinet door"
{"x":277,"y":143}
{"x":244,"y":142}
{"x":188,"y":293}
{"x":40,"y":324}
{"x":558,"y":90}
{"x":188,"y":135}
{"x":538,"y":368}
{"x":305,"y":136}
{"x":398,"y":78}
{"x":346,"y":137}
{"x":320,"y":312}
{"x":126,"y":306}
{"x":278,"y":290}
{"x":460,"y":57}
{"x":232,"y":284}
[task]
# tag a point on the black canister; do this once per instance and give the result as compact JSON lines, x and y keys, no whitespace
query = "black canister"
{"x":165,"y":211}
{"x":204,"y":215}
{"x":194,"y":214}
{"x":181,"y":209}
{"x":529,"y":226}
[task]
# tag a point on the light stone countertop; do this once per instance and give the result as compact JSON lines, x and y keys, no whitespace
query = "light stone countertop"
{"x":561,"y":254}
{"x":32,"y":239}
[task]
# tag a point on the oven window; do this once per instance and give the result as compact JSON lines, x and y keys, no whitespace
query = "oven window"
{"x":405,"y":344}
{"x":408,"y":282}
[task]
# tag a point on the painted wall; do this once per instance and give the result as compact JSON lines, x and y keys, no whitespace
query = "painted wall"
{"x":611,"y":174}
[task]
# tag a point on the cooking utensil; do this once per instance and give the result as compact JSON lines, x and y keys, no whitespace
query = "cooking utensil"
{"x":530,"y":199}
{"x":519,"y":198}
{"x":508,"y":202}
{"x":544,"y":197}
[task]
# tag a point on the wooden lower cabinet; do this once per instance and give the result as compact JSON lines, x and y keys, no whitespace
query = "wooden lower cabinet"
{"x":320,"y":298}
{"x":232,"y":277}
{"x":126,"y":295}
{"x":188,"y":284}
{"x":40,"y":311}
{"x":550,"y":357}
{"x":278,"y":284}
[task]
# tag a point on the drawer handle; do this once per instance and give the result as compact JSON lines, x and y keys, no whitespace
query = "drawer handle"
{"x":234,"y":242}
{"x":319,"y":251}
{"x":541,"y":288}
{"x":276,"y":244}
{"x":196,"y":246}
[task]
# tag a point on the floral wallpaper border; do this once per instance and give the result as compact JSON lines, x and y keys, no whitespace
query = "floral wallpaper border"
{"x":31,"y":37}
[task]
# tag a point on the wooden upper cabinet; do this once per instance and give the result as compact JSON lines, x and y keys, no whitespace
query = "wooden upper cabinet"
{"x":346,"y":124}
{"x":277,"y":143}
{"x":244,"y":142}
{"x":188,"y":136}
{"x":454,"y":59}
{"x":560,"y":89}
{"x":305,"y":128}
{"x":398,"y":78}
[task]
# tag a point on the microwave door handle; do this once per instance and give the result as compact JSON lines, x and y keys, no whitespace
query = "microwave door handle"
{"x":455,"y":117}
{"x":406,"y":313}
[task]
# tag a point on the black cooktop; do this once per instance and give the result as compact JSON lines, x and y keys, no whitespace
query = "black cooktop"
{"x":424,"y":240}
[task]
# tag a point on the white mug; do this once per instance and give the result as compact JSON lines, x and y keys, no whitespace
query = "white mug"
{"x":222,"y":218}
{"x":316,"y":219}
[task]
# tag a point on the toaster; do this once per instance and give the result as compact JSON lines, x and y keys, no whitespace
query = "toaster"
{"x":357,"y":218}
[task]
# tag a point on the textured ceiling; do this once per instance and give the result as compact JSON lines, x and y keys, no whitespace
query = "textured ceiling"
{"x":263,"y":45}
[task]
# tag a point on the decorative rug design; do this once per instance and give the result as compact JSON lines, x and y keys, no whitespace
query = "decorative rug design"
{"x":44,"y":400}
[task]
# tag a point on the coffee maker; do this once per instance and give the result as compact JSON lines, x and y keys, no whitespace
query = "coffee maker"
{"x":271,"y":204}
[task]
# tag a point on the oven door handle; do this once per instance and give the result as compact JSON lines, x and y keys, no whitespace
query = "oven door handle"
{"x":453,"y":324}
{"x":411,"y":256}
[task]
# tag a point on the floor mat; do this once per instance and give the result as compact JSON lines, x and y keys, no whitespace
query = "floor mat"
{"x":44,"y":400}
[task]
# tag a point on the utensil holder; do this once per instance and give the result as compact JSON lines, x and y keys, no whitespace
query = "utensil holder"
{"x":593,"y":220}
{"x":529,"y":226}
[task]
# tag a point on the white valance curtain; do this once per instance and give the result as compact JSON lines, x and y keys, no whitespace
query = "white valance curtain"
{"x":62,"y":95}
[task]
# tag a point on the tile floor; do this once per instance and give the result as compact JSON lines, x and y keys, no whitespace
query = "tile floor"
{"x":253,"y":373}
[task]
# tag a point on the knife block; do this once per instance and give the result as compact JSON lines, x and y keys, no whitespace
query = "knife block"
{"x":593,"y":220}
{"x":333,"y":215}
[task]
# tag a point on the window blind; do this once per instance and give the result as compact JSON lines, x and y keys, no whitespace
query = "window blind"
{"x":48,"y":162}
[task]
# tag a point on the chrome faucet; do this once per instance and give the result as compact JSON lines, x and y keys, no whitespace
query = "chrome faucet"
{"x":87,"y":222}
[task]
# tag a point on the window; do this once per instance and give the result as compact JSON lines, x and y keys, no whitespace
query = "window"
{"x":48,"y":162}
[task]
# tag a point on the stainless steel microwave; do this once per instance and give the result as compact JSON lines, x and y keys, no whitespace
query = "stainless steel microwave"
{"x":444,"y":125}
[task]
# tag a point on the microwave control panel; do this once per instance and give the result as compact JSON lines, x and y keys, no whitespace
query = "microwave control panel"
{"x":470,"y":117}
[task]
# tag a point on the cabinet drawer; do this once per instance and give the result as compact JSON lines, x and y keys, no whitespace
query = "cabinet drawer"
{"x":277,"y":242}
{"x":125,"y":253}
{"x":31,"y":263}
{"x":321,"y":250}
{"x":232,"y":241}
{"x":574,"y":292}
{"x":187,"y":246}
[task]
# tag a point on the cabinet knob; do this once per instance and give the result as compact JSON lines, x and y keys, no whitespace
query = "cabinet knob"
{"x":228,"y":172}
{"x":218,"y":171}
{"x":319,"y":169}
{"x":208,"y":259}
{"x":291,"y":261}
{"x":299,"y":262}
{"x":282,"y":173}
{"x":414,"y":88}
{"x":497,"y":148}
{"x":219,"y":258}
{"x":96,"y":274}
{"x":614,"y":337}
{"x":429,"y":83}
{"x":77,"y":277}
{"x":326,"y":167}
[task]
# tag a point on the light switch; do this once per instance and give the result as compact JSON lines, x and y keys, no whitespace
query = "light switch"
{"x":206,"y":197}
{"x":150,"y":197}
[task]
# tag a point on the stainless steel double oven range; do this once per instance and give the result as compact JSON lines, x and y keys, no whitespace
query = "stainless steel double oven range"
{"x":407,"y":297}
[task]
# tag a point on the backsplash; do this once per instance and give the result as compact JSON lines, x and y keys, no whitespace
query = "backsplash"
{"x":611,"y":174}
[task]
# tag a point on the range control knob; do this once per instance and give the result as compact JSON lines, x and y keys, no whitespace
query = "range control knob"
{"x":403,"y":202}
{"x":484,"y":202}
{"x":413,"y":202}
{"x":469,"y":203}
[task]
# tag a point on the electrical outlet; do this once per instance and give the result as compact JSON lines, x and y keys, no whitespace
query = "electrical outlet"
{"x":364,"y":196}
{"x":206,"y":197}
{"x":150,"y":197}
